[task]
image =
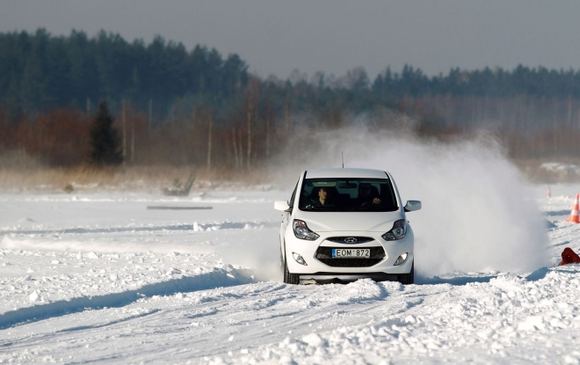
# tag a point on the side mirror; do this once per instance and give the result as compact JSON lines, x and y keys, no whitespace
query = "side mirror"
{"x":412,"y":205}
{"x":281,"y":205}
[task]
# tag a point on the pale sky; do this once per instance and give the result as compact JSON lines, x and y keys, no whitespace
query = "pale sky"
{"x":277,"y":36}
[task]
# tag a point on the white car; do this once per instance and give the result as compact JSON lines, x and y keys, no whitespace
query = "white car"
{"x":345,"y":224}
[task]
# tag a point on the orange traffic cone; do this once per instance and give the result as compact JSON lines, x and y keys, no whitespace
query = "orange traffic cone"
{"x":575,"y":215}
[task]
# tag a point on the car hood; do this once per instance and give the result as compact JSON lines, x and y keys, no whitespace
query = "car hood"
{"x":349,"y":221}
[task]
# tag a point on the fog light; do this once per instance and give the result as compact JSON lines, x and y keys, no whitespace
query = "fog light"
{"x":299,"y":259}
{"x":401,"y":259}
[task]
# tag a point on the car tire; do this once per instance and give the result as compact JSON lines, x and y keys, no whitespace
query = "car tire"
{"x":409,"y":278}
{"x":290,"y":278}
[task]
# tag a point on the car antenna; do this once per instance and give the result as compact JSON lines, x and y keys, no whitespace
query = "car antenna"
{"x":342,"y":155}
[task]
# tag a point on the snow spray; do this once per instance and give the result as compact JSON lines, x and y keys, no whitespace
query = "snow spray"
{"x":478,"y":214}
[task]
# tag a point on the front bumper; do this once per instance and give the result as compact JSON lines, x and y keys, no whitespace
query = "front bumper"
{"x":323,"y":278}
{"x":315,"y":268}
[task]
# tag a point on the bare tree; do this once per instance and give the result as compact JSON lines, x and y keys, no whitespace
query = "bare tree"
{"x":209,"y":139}
{"x":252,"y":94}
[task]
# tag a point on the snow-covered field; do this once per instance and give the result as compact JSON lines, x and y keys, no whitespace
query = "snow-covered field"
{"x":111,"y":278}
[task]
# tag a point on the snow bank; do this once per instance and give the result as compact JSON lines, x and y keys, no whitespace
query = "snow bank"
{"x":37,"y":283}
{"x":510,"y":319}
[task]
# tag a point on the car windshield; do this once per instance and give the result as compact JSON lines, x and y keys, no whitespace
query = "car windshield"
{"x":347,"y":195}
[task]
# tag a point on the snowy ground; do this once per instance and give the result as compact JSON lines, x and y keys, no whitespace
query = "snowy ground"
{"x":101,"y":277}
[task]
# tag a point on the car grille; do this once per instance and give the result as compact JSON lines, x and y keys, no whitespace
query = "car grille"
{"x":324,"y":254}
{"x":352,"y":240}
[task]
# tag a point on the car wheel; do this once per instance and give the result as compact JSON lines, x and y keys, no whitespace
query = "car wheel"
{"x":290,"y":278}
{"x":408,"y":278}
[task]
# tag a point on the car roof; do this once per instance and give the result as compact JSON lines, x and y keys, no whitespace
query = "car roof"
{"x":350,"y":172}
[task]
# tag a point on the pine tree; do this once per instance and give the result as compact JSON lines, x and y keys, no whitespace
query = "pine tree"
{"x":105,"y":142}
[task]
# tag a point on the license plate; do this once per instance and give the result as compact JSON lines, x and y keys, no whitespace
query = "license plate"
{"x":348,"y":253}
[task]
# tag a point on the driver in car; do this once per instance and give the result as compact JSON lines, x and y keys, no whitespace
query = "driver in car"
{"x":321,"y":199}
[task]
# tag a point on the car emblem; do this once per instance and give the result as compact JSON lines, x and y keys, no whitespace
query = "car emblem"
{"x":350,"y":240}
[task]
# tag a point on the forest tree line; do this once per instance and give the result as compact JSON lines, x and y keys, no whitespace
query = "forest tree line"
{"x":197,"y":107}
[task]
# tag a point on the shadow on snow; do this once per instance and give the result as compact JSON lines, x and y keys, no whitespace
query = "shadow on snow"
{"x":211,"y":280}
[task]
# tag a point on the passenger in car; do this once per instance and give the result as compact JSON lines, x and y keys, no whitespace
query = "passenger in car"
{"x":368,"y":196}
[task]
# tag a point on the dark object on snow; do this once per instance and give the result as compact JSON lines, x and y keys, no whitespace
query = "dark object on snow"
{"x":167,"y":207}
{"x":550,"y":225}
{"x":569,"y":257}
{"x":178,"y":189}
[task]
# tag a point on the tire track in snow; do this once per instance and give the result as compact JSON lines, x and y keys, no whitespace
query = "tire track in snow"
{"x":226,"y":320}
{"x":204,"y":321}
{"x":194,"y":227}
{"x":39,"y":338}
{"x":207,"y":302}
{"x":216,"y":278}
{"x":292,"y":310}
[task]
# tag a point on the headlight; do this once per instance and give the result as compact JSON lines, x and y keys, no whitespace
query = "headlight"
{"x":398,"y":231}
{"x":302,"y":231}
